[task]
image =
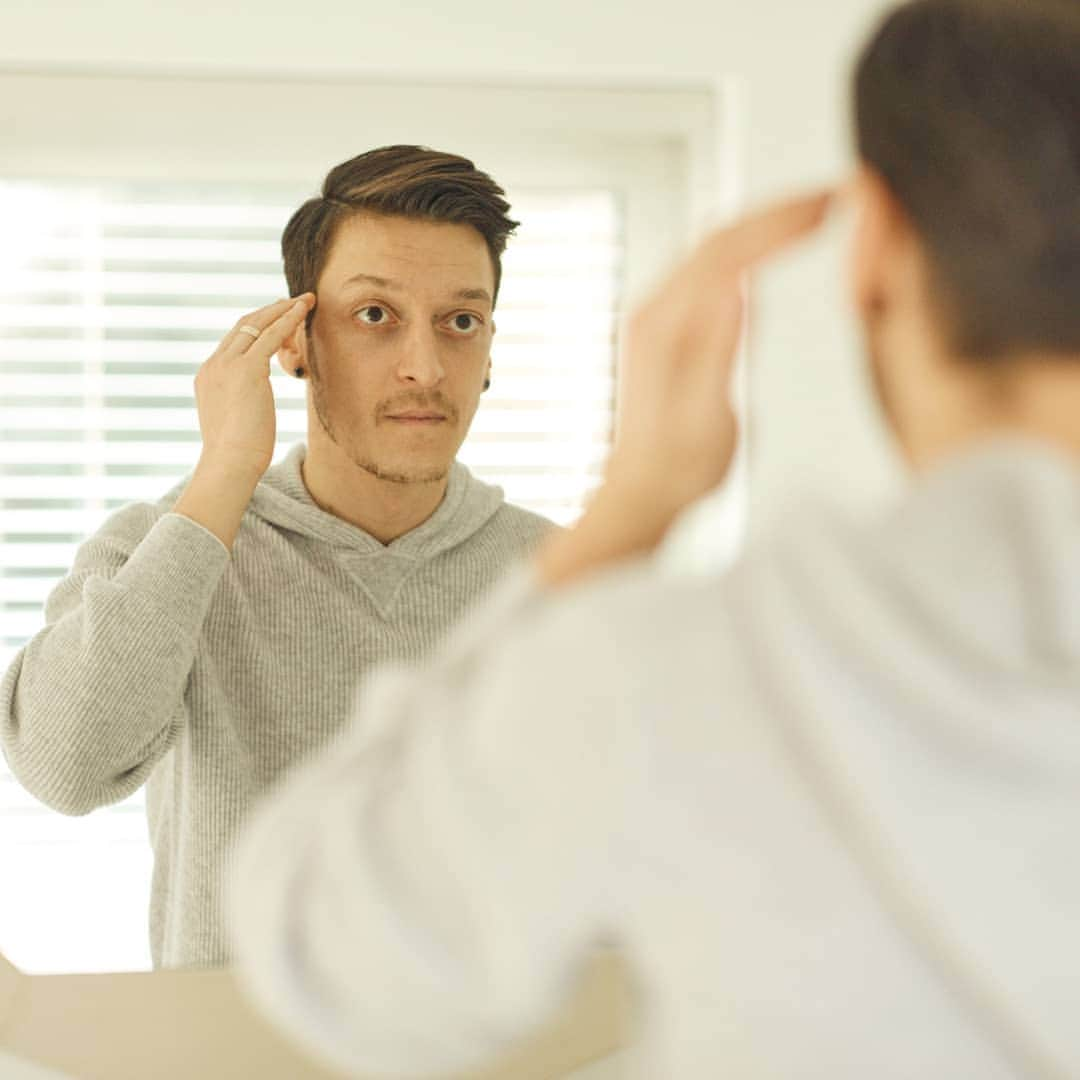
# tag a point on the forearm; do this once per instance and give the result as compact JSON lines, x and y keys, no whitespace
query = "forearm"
{"x":90,"y":703}
{"x":217,"y":496}
{"x":617,"y":526}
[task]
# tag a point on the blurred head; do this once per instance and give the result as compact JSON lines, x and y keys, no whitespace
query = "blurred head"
{"x":403,"y":252}
{"x":967,"y":258}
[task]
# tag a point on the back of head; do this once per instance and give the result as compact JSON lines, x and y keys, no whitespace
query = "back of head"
{"x":402,"y":181}
{"x":970,"y":112}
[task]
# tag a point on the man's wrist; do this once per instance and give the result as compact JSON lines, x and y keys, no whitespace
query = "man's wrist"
{"x":239,"y":476}
{"x":618,"y":525}
{"x":218,"y":495}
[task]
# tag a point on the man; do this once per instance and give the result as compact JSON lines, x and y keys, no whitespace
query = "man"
{"x":205,"y":644}
{"x":827,"y":803}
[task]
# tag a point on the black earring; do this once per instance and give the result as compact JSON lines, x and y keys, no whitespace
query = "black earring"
{"x":298,"y":372}
{"x":487,"y":383}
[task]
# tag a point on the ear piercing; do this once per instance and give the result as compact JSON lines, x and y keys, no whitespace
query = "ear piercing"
{"x":487,"y":383}
{"x":298,"y":372}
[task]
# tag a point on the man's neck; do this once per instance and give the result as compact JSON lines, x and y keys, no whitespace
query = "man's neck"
{"x":382,"y":508}
{"x":1037,"y":397}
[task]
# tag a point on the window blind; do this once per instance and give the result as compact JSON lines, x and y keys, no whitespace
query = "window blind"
{"x":111,"y":296}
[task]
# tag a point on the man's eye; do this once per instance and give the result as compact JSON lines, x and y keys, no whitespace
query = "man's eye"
{"x":373,"y":314}
{"x":465,"y":323}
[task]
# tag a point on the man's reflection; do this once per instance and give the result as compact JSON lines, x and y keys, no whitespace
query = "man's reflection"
{"x":205,"y":643}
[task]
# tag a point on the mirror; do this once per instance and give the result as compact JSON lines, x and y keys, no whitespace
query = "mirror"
{"x":131,"y":248}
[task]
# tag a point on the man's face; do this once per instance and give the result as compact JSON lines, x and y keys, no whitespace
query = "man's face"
{"x":400,"y":343}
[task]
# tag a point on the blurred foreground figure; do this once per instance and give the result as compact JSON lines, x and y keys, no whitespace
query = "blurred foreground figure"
{"x":826,"y":803}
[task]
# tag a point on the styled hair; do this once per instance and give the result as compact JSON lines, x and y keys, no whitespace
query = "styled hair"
{"x":970,"y":112}
{"x":402,"y":181}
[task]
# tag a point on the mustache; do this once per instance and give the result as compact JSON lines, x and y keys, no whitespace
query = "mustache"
{"x":406,"y":402}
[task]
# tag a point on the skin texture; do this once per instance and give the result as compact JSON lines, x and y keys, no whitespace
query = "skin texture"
{"x":408,"y":340}
{"x":397,"y":353}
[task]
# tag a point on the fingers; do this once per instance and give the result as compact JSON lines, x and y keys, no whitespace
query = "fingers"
{"x":717,"y":264}
{"x":739,"y":246}
{"x":274,"y":336}
{"x":259,"y":320}
{"x":695,"y":290}
{"x":725,"y":254}
{"x":275,"y":323}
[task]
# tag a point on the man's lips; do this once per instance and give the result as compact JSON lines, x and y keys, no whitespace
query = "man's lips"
{"x":417,"y":417}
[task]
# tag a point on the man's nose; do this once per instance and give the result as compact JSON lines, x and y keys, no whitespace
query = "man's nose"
{"x":420,"y":363}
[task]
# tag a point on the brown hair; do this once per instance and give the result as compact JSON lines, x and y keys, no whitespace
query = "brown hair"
{"x":970,"y":112}
{"x":403,"y":181}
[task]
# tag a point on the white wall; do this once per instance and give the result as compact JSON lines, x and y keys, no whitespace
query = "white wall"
{"x":811,"y":424}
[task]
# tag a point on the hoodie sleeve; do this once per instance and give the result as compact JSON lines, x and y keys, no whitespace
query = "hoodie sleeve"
{"x":95,"y":699}
{"x":425,"y":893}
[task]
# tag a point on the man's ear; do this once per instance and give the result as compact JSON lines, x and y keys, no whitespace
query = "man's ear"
{"x":292,"y":356}
{"x":883,"y":237}
{"x":487,"y":375}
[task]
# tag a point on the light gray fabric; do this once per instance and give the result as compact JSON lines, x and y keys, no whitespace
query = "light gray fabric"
{"x":826,"y":803}
{"x":166,"y":661}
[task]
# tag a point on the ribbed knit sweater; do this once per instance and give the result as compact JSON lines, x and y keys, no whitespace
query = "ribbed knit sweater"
{"x":166,"y":660}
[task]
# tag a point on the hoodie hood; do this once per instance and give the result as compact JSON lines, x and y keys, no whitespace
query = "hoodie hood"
{"x":282,"y":500}
{"x":930,"y":672}
{"x":968,"y":591}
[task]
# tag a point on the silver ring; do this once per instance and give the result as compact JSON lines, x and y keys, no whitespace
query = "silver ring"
{"x":245,"y":328}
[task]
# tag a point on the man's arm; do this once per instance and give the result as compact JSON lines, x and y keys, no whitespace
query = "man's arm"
{"x":94,"y":700}
{"x":91,"y":704}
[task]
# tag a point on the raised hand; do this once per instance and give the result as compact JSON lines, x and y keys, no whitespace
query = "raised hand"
{"x":237,"y":417}
{"x":232,"y":389}
{"x":677,"y":430}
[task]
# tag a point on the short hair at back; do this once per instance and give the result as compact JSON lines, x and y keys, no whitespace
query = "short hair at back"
{"x":970,"y":112}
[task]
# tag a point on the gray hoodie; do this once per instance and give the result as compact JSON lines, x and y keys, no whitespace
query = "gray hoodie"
{"x":826,"y":805}
{"x":165,"y":660}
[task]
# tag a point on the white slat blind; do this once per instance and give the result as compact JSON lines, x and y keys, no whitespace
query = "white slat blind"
{"x":111,"y":295}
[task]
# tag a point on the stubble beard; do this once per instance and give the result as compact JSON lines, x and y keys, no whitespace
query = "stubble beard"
{"x":431,"y":475}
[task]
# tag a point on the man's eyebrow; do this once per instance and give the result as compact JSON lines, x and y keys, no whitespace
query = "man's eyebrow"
{"x":371,"y":279}
{"x":386,"y":283}
{"x":473,"y":294}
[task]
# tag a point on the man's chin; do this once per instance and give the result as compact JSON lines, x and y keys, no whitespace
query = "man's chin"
{"x":405,"y":472}
{"x":420,"y":464}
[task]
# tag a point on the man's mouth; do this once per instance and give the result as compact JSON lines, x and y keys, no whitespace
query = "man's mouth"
{"x":417,"y":417}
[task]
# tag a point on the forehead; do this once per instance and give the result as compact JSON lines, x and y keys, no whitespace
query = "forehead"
{"x":419,"y":254}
